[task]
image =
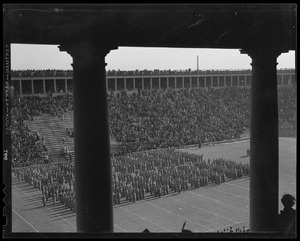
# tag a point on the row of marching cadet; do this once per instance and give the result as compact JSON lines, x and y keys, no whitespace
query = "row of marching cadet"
{"x":56,"y":182}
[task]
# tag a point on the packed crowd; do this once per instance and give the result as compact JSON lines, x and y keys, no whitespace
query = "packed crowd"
{"x":287,"y":108}
{"x":137,"y":176}
{"x":27,"y":147}
{"x":177,"y":72}
{"x":47,"y":72}
{"x":56,"y":106}
{"x":57,"y":72}
{"x":160,"y":119}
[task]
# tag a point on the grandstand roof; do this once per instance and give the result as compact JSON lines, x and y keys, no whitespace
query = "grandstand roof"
{"x":153,"y":25}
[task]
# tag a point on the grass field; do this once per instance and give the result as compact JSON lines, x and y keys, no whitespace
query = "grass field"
{"x":207,"y":209}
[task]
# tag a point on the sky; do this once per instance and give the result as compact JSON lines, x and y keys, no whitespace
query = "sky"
{"x":24,"y":56}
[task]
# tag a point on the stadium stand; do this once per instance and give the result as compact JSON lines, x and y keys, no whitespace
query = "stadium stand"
{"x":42,"y":130}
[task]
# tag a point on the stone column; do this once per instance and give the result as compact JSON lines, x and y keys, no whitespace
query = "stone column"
{"x":94,"y":209}
{"x":44,"y":86}
{"x":159,"y":83}
{"x":106,"y":80}
{"x":66,"y":86}
{"x":21,"y":92}
{"x":32,"y":87}
{"x":263,"y":140}
{"x":54,"y":82}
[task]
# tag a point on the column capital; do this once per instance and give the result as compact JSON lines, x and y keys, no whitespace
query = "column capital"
{"x":261,"y":55}
{"x":86,"y":53}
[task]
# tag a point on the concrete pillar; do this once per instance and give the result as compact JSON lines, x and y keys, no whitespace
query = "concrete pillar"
{"x":21,"y":92}
{"x":133,"y":83}
{"x":159,"y":83}
{"x":151,"y":83}
{"x":94,"y":209}
{"x":32,"y":88}
{"x":125,"y":84}
{"x":143,"y":83}
{"x":54,"y":82}
{"x":116,"y":84}
{"x":44,"y":86}
{"x":106,"y":80}
{"x":66,"y":86}
{"x":263,"y":141}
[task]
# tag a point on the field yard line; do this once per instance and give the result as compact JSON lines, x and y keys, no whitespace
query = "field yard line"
{"x":178,"y":215}
{"x":25,"y":220}
{"x":245,"y":188}
{"x":120,"y":228}
{"x":230,"y":225}
{"x":230,"y":194}
{"x":286,"y":184}
{"x":217,"y":201}
{"x":46,"y":207}
{"x":234,"y":142}
{"x":145,"y":219}
{"x":203,"y":209}
{"x":286,"y":174}
{"x":288,"y":139}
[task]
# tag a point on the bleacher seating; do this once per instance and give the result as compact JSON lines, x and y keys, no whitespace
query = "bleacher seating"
{"x":53,"y":129}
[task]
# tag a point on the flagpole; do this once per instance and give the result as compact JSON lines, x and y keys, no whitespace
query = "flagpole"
{"x":197,"y":64}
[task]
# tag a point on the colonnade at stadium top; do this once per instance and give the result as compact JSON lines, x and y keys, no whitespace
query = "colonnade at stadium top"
{"x":39,"y":83}
{"x":89,"y":32}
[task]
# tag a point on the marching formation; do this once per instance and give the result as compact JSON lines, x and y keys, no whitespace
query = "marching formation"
{"x":56,"y":181}
{"x":157,"y":173}
{"x":136,"y":176}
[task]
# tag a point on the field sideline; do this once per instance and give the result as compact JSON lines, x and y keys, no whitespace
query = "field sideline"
{"x":207,"y":209}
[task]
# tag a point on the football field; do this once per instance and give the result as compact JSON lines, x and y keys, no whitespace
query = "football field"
{"x":207,"y":209}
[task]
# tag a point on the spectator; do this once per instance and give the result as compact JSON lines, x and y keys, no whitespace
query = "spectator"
{"x":287,"y":216}
{"x":169,"y":118}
